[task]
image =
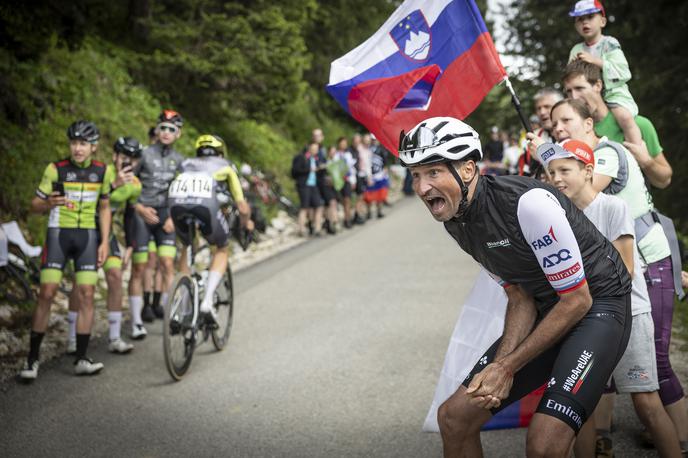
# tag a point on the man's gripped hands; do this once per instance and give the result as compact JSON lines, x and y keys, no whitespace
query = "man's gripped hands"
{"x":490,"y":386}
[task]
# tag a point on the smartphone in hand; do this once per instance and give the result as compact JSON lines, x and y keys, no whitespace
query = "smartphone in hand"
{"x":59,"y":188}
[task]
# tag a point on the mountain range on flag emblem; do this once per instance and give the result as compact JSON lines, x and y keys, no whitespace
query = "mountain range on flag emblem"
{"x":412,"y":36}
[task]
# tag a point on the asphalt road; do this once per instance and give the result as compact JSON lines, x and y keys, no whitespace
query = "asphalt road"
{"x":335,"y":351}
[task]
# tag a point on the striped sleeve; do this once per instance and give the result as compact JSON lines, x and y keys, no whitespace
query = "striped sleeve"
{"x":545,"y":227}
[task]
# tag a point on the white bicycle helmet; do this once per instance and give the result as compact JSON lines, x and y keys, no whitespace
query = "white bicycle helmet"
{"x":439,"y":139}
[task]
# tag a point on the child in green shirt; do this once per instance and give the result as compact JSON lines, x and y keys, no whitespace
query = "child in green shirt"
{"x":605,"y":52}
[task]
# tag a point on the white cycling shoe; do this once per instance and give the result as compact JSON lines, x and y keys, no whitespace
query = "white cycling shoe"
{"x":138,"y":332}
{"x":86,"y":366}
{"x":29,"y":372}
{"x":120,"y":346}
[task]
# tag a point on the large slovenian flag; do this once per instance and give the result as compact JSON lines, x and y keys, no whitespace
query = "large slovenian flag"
{"x":431,"y":58}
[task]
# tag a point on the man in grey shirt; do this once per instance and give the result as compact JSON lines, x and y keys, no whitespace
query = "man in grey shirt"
{"x":159,"y":165}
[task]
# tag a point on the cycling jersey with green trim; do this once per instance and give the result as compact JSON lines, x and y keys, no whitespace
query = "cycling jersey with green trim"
{"x":201,"y":189}
{"x":128,"y":193}
{"x":84,"y":184}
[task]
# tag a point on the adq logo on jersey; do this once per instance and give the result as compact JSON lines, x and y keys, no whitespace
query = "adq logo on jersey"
{"x":93,"y":178}
{"x":412,"y":36}
{"x":546,"y":240}
{"x":556,"y":258}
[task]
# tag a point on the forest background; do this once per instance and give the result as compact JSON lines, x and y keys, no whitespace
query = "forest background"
{"x":254,"y":72}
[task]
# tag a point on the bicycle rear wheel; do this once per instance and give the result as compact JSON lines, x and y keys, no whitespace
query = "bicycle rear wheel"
{"x":179,"y":333}
{"x":224,"y":307}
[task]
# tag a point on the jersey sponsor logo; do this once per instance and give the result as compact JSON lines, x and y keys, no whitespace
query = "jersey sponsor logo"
{"x":483,"y":361}
{"x":565,"y":410}
{"x":93,"y":178}
{"x":551,"y":382}
{"x":556,"y":258}
{"x":566,"y":273}
{"x":71,"y":176}
{"x":577,"y":377}
{"x":546,"y":240}
{"x":498,"y":244}
{"x":553,"y":199}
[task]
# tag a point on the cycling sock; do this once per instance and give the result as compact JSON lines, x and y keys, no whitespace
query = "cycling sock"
{"x":35,"y":345}
{"x":147,"y":298}
{"x":135,"y":306}
{"x":71,"y":319}
{"x":163,"y":299}
{"x":214,"y":279}
{"x":156,"y":298}
{"x":115,"y":321}
{"x":81,"y":345}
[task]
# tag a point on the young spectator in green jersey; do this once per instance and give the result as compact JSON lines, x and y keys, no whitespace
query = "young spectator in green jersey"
{"x":72,"y":191}
{"x":126,"y":189}
{"x":605,"y":52}
{"x":584,"y":81}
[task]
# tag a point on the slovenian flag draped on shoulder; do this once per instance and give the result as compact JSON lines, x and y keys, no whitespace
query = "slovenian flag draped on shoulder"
{"x":431,"y":58}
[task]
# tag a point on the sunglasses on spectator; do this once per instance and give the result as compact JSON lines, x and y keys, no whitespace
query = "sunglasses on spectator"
{"x":168,"y":128}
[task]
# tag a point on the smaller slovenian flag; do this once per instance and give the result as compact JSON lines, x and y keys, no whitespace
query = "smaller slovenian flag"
{"x":428,"y":59}
{"x":518,"y":414}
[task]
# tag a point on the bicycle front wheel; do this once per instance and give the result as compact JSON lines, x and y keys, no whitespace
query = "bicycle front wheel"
{"x":13,"y":285}
{"x":224,"y":308}
{"x":179,"y":333}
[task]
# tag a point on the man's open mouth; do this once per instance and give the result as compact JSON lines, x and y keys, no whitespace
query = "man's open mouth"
{"x":436,"y":204}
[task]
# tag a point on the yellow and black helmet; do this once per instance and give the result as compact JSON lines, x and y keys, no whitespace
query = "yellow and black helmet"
{"x":210,"y":145}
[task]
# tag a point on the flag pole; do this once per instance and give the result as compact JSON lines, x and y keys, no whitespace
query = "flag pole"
{"x":517,"y":104}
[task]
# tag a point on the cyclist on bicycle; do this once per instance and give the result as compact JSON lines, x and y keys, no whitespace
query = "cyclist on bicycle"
{"x":71,"y":190}
{"x":202,"y":192}
{"x":158,"y":166}
{"x":568,"y":315}
{"x":126,"y":189}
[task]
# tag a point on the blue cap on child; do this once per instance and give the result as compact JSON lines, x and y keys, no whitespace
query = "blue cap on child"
{"x":584,"y":7}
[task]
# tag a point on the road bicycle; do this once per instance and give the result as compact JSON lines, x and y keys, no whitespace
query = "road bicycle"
{"x":18,"y":266}
{"x":183,"y":326}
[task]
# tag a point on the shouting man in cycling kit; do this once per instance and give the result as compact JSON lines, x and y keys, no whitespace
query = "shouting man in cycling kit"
{"x":202,"y":192}
{"x":568,"y":315}
{"x":158,"y":167}
{"x":72,"y":191}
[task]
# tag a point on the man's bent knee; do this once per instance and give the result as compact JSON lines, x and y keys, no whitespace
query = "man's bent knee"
{"x":457,"y":417}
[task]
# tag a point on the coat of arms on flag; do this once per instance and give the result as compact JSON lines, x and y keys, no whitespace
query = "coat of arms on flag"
{"x":412,"y":36}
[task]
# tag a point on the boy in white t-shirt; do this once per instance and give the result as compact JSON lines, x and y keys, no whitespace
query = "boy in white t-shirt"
{"x":571,"y":167}
{"x":605,"y":52}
